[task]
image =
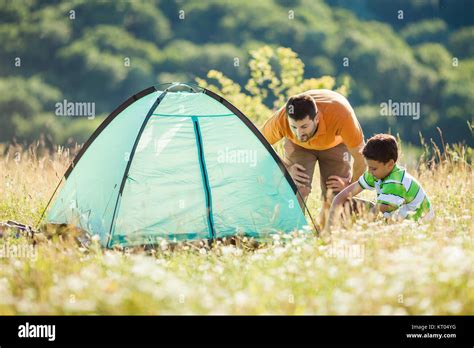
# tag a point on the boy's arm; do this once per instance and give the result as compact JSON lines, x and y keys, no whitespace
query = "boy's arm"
{"x":390,"y":199}
{"x":387,"y":210}
{"x":358,"y":167}
{"x":384,"y":208}
{"x":350,"y":191}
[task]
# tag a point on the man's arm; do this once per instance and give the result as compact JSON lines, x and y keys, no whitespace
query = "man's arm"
{"x":273,"y":132}
{"x":358,"y":167}
{"x":272,"y":128}
{"x":353,"y":137}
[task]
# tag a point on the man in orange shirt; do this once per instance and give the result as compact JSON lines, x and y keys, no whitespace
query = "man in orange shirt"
{"x":319,"y":126}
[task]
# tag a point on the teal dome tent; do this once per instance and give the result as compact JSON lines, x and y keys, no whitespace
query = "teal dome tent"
{"x":180,"y":163}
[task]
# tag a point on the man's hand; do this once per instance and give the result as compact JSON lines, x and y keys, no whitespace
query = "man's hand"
{"x":336,"y":183}
{"x":297,"y":172}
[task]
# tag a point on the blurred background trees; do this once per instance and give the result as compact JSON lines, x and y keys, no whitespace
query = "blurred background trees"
{"x":255,"y":53}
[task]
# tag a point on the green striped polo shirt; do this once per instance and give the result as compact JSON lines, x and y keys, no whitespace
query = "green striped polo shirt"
{"x":399,"y":190}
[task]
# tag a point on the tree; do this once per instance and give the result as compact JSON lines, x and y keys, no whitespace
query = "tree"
{"x":275,"y":75}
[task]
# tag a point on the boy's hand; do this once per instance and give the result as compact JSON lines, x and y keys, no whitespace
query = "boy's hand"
{"x":297,"y":172}
{"x":336,"y":183}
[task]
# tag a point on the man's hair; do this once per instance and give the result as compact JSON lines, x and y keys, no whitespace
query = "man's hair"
{"x":381,"y":148}
{"x":301,"y":105}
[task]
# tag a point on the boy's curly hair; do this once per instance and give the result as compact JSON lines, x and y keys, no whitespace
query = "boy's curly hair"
{"x":381,"y":148}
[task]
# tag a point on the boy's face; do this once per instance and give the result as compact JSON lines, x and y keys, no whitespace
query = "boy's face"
{"x":379,"y":169}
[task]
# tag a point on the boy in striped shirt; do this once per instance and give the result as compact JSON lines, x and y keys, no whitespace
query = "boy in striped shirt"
{"x":399,"y":195}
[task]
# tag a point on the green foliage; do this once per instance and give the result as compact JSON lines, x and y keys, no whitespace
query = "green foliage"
{"x":105,"y":51}
{"x":436,"y":56}
{"x":199,"y":59}
{"x":108,"y":63}
{"x":425,"y":31}
{"x":461,"y":42}
{"x":22,"y":99}
{"x":458,"y":102}
{"x":278,"y":72}
{"x":141,"y":18}
{"x":454,"y":13}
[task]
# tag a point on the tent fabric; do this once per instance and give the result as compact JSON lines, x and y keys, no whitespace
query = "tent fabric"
{"x":179,"y":166}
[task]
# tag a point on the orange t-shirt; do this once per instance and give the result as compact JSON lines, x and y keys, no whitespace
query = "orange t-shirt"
{"x":337,"y":123}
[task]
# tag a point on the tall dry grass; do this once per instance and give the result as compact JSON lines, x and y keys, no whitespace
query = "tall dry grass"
{"x":369,"y":268}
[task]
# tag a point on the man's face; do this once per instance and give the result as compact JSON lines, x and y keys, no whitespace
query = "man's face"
{"x":379,"y":169}
{"x":303,"y":129}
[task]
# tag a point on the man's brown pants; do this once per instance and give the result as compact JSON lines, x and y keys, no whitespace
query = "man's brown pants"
{"x":333,"y":161}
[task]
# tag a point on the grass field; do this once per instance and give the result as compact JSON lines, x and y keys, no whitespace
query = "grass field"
{"x":367,"y":268}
